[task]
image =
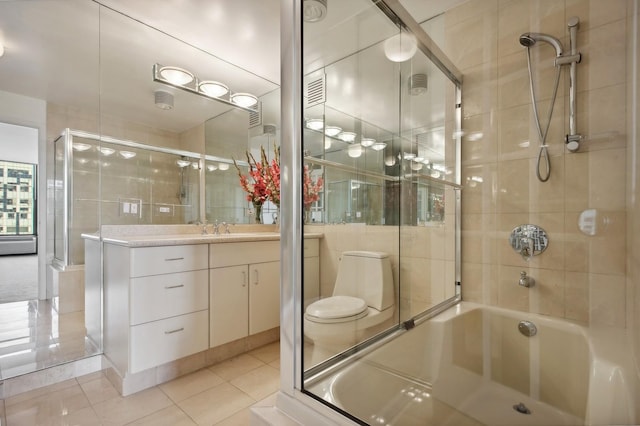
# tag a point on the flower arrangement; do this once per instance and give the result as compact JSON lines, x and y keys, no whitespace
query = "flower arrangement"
{"x":310,"y":189}
{"x":263,"y":182}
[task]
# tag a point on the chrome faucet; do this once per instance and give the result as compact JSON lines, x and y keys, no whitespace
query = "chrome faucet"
{"x":526,"y":281}
{"x":216,"y":228}
{"x":204,"y":226}
{"x":226,"y":228}
{"x":527,"y":248}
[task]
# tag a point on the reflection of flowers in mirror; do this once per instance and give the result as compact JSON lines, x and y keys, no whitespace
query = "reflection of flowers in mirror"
{"x":310,"y":189}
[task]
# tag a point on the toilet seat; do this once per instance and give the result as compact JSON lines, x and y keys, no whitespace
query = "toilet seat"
{"x":336,"y":309}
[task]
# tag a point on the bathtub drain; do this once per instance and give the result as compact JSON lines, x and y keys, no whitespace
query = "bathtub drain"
{"x":521,"y":408}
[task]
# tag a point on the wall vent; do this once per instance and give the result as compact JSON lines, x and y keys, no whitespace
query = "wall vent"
{"x":315,"y":92}
{"x":255,"y":117}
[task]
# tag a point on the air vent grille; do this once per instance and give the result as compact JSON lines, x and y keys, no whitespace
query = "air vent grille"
{"x":316,"y":90}
{"x":255,"y":117}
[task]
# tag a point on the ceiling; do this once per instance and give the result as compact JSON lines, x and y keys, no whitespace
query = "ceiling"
{"x":98,"y":56}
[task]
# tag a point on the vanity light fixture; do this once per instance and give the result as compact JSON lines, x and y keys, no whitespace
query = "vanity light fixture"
{"x":223,"y":166}
{"x":408,"y":155}
{"x":416,"y":166}
{"x":332,"y":131}
{"x":183,"y":163}
{"x":327,"y":143}
{"x":211,"y":167}
{"x":347,"y":136}
{"x":315,"y":123}
{"x":367,"y":142}
{"x":127,"y":154}
{"x":418,"y":159}
{"x":195,"y":165}
{"x":106,"y":151}
{"x":183,"y":79}
{"x":379,"y":146}
{"x":390,"y":160}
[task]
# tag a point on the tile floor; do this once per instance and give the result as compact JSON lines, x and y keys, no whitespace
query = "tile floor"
{"x":218,"y":395}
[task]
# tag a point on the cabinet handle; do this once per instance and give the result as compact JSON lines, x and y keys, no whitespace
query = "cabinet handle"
{"x":173,"y":286}
{"x":255,"y":271}
{"x":174,"y":331}
{"x":244,"y":278}
{"x":174,"y":258}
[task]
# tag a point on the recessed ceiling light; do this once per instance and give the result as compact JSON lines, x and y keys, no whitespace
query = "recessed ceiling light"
{"x":211,"y":167}
{"x":332,"y":130}
{"x":223,"y":166}
{"x":347,"y":136}
{"x":379,"y":146}
{"x":183,"y":163}
{"x":367,"y":142}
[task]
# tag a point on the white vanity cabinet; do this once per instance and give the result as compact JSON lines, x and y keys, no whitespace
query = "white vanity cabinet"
{"x":244,"y":293}
{"x":156,"y":304}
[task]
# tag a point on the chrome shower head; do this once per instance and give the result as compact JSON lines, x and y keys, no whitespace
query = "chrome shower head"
{"x":529,"y":39}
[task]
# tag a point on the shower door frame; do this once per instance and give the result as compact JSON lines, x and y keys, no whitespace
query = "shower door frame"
{"x":292,"y":397}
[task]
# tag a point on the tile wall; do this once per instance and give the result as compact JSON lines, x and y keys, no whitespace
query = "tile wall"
{"x":579,"y":277}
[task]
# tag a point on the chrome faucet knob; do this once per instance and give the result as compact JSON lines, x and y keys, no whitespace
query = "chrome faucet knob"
{"x":216,"y":228}
{"x":226,"y":228}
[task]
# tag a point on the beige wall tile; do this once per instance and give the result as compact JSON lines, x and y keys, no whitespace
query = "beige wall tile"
{"x":577,"y":296}
{"x":547,"y":197}
{"x":607,"y":249}
{"x":479,"y":194}
{"x":548,"y":293}
{"x":513,"y":186}
{"x":510,"y":294}
{"x":479,"y":142}
{"x":473,"y":41}
{"x":479,"y":236}
{"x":480,"y":90}
{"x":603,"y":62}
{"x":601,"y":117}
{"x":607,"y":304}
{"x":594,"y":13}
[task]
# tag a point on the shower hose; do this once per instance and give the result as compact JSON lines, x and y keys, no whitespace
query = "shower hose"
{"x":543,"y":154}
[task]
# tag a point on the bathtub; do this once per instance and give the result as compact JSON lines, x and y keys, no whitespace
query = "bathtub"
{"x":470,"y":365}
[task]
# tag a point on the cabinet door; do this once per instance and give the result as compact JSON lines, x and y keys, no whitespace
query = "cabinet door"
{"x":264,"y":296}
{"x":228,"y":310}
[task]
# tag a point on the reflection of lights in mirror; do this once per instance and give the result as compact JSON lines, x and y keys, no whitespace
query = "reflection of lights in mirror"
{"x":367,"y":142}
{"x":409,"y":156}
{"x":390,"y":160}
{"x":183,"y":163}
{"x":127,"y":154}
{"x":82,"y":160}
{"x":106,"y":151}
{"x":78,"y":146}
{"x":327,"y":143}
{"x":223,"y":166}
{"x":379,"y":146}
{"x":332,"y":131}
{"x":401,"y":47}
{"x":416,"y":166}
{"x":315,"y":123}
{"x":213,"y":88}
{"x":106,"y":164}
{"x":314,"y":10}
{"x":195,"y":165}
{"x":245,"y":100}
{"x":211,"y":167}
{"x":347,"y":136}
{"x":355,"y":151}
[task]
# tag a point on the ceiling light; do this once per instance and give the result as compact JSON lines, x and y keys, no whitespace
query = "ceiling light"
{"x":355,"y":151}
{"x":315,"y":123}
{"x":223,"y":166}
{"x":390,"y":160}
{"x":332,"y":130}
{"x":244,"y":100}
{"x":418,"y":159}
{"x":183,"y":163}
{"x":176,"y":75}
{"x":367,"y":142}
{"x":211,"y":167}
{"x":127,"y":154}
{"x":106,"y":151}
{"x":79,"y":146}
{"x":379,"y":146}
{"x":347,"y":136}
{"x":416,"y":166}
{"x":213,"y":88}
{"x":408,"y":155}
{"x":314,"y":10}
{"x":401,"y":47}
{"x":163,"y":100}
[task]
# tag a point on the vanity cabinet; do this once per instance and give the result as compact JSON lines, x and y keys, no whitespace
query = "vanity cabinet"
{"x":156,"y":304}
{"x":244,"y":293}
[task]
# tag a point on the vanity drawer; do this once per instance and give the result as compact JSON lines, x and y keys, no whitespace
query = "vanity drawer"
{"x":229,"y":254}
{"x":161,"y":296}
{"x":159,"y":342}
{"x":168,"y":259}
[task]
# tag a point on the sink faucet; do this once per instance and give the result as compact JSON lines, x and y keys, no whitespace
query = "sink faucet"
{"x":204,"y":226}
{"x":216,"y":228}
{"x":226,"y":228}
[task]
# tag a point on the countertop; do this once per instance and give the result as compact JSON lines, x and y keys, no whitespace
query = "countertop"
{"x":181,"y":239}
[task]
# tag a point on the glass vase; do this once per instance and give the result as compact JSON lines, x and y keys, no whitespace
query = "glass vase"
{"x":257,"y":209}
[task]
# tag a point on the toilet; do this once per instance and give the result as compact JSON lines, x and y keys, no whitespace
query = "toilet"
{"x":363,"y":298}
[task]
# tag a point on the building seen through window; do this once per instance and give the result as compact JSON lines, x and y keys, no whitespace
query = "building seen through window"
{"x":17,"y":198}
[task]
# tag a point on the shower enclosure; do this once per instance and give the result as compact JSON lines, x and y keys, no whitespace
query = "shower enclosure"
{"x":100,"y":180}
{"x":382,"y":127}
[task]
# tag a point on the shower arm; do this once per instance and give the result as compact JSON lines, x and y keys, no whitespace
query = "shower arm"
{"x":573,"y":138}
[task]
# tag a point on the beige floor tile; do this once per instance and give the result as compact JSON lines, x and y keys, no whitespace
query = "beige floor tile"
{"x":100,"y":389}
{"x":170,"y":416}
{"x":269,"y":401}
{"x":40,"y":391}
{"x":122,"y":410}
{"x":237,"y":366}
{"x":275,"y":364}
{"x":267,"y":353}
{"x":258,"y":383}
{"x":49,"y":408}
{"x":241,"y":418}
{"x":191,"y":384}
{"x":215,"y":404}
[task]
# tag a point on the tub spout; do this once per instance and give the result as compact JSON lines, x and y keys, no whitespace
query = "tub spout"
{"x":526,"y":281}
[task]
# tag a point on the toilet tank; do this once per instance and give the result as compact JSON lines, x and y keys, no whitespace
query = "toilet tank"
{"x":367,"y":275}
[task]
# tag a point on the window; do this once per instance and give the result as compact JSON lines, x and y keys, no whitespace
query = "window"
{"x":11,"y":215}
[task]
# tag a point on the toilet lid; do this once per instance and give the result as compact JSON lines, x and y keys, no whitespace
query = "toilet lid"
{"x":337,"y":307}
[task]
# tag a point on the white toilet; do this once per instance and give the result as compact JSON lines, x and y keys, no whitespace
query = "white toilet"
{"x":363,"y":298}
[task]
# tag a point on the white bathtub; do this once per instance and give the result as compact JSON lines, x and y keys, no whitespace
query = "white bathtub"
{"x":470,"y":366}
